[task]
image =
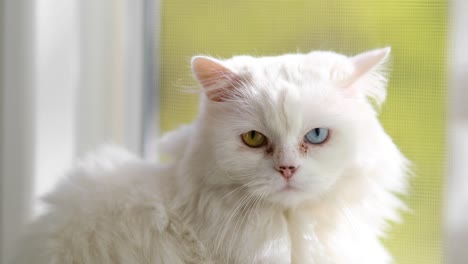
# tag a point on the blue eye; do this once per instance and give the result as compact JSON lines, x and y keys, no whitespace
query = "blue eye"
{"x":316,"y":135}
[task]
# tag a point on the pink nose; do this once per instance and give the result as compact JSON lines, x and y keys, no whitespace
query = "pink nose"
{"x":286,"y":171}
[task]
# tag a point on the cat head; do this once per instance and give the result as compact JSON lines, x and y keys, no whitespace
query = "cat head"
{"x":287,"y":128}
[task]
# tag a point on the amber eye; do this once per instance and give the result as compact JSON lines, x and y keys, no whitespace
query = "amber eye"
{"x":254,"y":139}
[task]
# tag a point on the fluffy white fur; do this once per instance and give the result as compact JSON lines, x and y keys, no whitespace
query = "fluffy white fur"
{"x":219,"y":201}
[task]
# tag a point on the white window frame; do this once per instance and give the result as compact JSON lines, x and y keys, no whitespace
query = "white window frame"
{"x":16,"y":118}
{"x":455,"y":213}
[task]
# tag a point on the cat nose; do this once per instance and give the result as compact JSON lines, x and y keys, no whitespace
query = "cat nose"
{"x":287,"y":171}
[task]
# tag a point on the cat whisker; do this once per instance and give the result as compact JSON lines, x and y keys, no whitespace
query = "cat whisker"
{"x":239,"y":188}
{"x":257,"y":203}
{"x":240,"y":207}
{"x":246,"y":176}
{"x":252,"y":207}
{"x":229,"y":218}
{"x":243,"y":215}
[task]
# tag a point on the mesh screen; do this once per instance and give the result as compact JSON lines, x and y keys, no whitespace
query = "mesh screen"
{"x":414,"y":114}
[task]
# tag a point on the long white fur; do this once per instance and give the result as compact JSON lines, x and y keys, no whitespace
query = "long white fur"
{"x":219,"y":201}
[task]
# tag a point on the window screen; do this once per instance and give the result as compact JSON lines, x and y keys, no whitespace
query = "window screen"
{"x":414,"y":114}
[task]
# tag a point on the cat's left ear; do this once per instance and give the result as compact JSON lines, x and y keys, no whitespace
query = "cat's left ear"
{"x":218,"y":81}
{"x":368,"y":75}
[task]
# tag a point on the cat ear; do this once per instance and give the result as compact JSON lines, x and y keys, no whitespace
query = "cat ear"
{"x":368,"y":75}
{"x":369,"y":60}
{"x":217,"y":80}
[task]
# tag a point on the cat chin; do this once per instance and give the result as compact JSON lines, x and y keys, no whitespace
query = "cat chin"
{"x":289,"y":200}
{"x":279,"y":193}
{"x":290,"y":196}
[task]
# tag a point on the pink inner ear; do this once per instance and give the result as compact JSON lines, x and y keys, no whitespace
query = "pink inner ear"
{"x":217,"y":80}
{"x":222,"y":87}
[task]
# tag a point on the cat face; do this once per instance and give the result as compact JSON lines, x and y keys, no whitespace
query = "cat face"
{"x":287,"y":128}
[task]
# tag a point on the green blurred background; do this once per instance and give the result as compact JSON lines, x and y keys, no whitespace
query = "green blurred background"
{"x":415,"y":111}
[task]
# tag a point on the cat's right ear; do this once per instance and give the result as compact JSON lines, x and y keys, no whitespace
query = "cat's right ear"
{"x":217,"y":80}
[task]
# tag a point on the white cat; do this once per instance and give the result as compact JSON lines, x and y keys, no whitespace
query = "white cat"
{"x":286,"y":163}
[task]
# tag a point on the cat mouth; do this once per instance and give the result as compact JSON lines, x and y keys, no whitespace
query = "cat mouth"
{"x":290,"y":188}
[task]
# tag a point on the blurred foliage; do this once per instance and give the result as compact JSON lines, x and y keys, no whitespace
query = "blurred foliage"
{"x":414,"y":114}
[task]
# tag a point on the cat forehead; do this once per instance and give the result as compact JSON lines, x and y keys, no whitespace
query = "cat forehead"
{"x":314,"y":66}
{"x":284,"y":109}
{"x":284,"y":85}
